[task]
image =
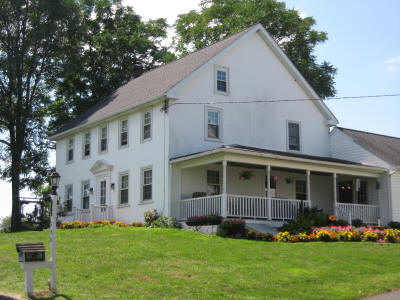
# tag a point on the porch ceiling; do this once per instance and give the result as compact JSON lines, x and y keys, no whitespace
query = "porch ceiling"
{"x":240,"y":155}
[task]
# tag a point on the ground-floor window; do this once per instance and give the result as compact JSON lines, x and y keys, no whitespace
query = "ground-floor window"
{"x":213,"y":183}
{"x":301,"y":190}
{"x":68,"y":198}
{"x":123,"y":188}
{"x":85,"y":195}
{"x":147,"y":184}
{"x":362,"y":193}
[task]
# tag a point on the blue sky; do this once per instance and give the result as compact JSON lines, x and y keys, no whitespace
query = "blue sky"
{"x":364,"y":44}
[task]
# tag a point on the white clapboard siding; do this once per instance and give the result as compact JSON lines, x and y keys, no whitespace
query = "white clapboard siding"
{"x":395,"y":184}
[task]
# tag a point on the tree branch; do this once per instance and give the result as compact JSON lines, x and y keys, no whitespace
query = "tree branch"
{"x":5,"y":142}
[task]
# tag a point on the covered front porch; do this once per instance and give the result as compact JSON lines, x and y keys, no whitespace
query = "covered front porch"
{"x":236,"y":183}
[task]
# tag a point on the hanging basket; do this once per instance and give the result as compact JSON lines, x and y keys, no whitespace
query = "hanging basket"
{"x":246,"y":175}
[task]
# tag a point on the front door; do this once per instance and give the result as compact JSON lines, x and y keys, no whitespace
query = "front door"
{"x":345,"y":191}
{"x":102,"y":190}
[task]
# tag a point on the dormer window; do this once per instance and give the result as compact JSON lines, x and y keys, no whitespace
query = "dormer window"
{"x":293,"y":136}
{"x":103,"y":139}
{"x":70,"y":150}
{"x":221,"y":80}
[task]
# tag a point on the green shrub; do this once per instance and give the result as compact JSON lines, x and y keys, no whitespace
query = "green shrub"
{"x":5,"y":224}
{"x":357,"y":223}
{"x":150,"y":216}
{"x":232,"y":228}
{"x":394,"y":225}
{"x":164,"y":222}
{"x":204,"y":220}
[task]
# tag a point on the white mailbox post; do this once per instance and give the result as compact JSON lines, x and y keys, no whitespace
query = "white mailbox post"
{"x":32,"y":255}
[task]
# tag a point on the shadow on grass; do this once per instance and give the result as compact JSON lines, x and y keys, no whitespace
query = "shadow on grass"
{"x":47,"y":295}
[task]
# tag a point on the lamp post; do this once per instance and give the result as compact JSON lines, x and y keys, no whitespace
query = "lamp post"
{"x":54,"y":182}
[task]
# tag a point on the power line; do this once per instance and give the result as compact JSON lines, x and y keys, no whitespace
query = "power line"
{"x":288,"y":100}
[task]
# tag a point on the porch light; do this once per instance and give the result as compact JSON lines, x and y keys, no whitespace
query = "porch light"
{"x":54,"y":181}
{"x":113,"y":186}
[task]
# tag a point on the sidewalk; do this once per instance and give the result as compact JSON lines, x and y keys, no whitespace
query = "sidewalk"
{"x":394,"y":295}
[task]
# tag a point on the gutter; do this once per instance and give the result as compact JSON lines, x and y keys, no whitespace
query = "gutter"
{"x":113,"y":115}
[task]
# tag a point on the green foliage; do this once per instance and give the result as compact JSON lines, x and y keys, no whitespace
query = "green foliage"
{"x":232,"y":228}
{"x":150,"y":216}
{"x":5,"y":224}
{"x":204,"y":220}
{"x":218,"y":19}
{"x":113,"y":44}
{"x":357,"y":223}
{"x":164,"y":222}
{"x":394,"y":225}
{"x":310,"y":217}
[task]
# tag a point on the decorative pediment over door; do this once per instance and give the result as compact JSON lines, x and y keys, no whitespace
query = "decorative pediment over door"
{"x":101,"y":166}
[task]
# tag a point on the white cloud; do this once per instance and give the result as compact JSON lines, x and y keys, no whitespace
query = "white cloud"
{"x":392,"y":64}
{"x":301,"y":14}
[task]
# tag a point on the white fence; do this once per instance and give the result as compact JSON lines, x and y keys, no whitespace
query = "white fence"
{"x":241,"y":206}
{"x":202,"y":206}
{"x":94,"y":213}
{"x":349,"y":211}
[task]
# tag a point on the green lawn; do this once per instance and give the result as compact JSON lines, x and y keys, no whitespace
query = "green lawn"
{"x":133,"y":263}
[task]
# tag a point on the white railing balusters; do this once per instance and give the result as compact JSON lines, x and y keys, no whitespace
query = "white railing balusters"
{"x":210,"y":205}
{"x":365,"y":212}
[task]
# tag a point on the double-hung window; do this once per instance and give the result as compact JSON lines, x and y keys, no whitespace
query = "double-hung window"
{"x":123,"y":135}
{"x":213,"y":124}
{"x":213,"y":183}
{"x":293,"y":136}
{"x":362,"y":193}
{"x":103,"y":139}
{"x":70,"y":150}
{"x":221,"y":80}
{"x":85,"y":194}
{"x":301,"y":190}
{"x":68,"y":198}
{"x":147,"y":184}
{"x":123,"y":188}
{"x":86,"y":145}
{"x":146,"y":125}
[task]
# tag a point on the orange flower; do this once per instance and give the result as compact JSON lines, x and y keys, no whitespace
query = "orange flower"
{"x":332,"y":218}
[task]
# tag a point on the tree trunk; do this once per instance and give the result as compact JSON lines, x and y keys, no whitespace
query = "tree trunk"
{"x":15,"y":182}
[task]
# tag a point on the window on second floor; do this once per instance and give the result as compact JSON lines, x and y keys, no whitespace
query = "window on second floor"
{"x":70,"y":150}
{"x":86,"y":145}
{"x":123,"y":134}
{"x":103,"y":139}
{"x":68,"y":198}
{"x":221,"y":80}
{"x":293,"y":136}
{"x":213,"y":125}
{"x":146,"y":124}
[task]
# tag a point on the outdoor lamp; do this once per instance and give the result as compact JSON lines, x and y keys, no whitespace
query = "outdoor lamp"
{"x":54,"y":181}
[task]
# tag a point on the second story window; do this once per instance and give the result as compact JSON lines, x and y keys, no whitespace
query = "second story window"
{"x":123,"y":136}
{"x":221,"y":80}
{"x":103,"y":139}
{"x":293,"y":136}
{"x":146,"y":122}
{"x":70,"y":150}
{"x":213,"y":126}
{"x":86,"y":145}
{"x":68,"y":198}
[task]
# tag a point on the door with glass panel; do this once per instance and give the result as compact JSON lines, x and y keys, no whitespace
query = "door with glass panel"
{"x":102,"y":191}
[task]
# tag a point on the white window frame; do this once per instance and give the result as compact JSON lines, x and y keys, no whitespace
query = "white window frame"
{"x":67,"y":186}
{"x":142,"y":125}
{"x":85,"y":182}
{"x":222,"y":69}
{"x":144,"y":169}
{"x":216,"y":186}
{"x":120,"y":134}
{"x":120,"y":175}
{"x":69,"y":148}
{"x":219,"y":111}
{"x":287,"y":136}
{"x":84,"y":144}
{"x":100,"y":138}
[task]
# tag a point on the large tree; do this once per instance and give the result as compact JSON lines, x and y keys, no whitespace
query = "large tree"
{"x":114,"y":45}
{"x":218,"y":19}
{"x":32,"y":33}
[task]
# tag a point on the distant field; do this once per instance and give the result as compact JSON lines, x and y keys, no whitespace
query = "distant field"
{"x":132,"y":263}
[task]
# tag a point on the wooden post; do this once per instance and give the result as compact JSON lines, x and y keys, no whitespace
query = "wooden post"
{"x":335,"y":194}
{"x":29,"y":282}
{"x":224,"y":195}
{"x":269,"y":200}
{"x":309,"y":187}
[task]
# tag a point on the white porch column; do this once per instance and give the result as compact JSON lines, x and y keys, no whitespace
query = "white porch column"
{"x":334,"y":193}
{"x":309,"y":188}
{"x":224,"y":195}
{"x":91,"y":212}
{"x":269,"y":200}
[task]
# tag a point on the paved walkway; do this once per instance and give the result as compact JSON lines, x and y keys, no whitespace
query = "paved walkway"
{"x":394,"y":295}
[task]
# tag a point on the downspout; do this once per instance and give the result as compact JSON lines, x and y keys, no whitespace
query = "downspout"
{"x":165,"y":110}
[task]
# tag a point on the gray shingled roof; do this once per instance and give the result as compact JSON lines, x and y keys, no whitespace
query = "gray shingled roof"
{"x":151,"y":84}
{"x":385,"y":147}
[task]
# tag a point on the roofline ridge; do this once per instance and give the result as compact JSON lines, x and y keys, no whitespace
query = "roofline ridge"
{"x":363,"y":131}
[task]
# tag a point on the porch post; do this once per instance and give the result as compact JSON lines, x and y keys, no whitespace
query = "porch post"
{"x":224,"y":196}
{"x":309,"y":188}
{"x":269,"y":206}
{"x":334,"y":194}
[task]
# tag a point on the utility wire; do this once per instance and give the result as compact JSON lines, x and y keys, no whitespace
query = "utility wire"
{"x":288,"y":100}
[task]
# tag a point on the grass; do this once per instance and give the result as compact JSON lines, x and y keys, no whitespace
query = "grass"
{"x":141,"y":263}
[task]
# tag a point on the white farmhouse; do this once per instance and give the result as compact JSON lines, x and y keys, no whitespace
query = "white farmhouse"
{"x":210,"y":134}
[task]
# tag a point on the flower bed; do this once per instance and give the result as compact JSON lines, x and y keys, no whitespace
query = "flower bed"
{"x":79,"y":224}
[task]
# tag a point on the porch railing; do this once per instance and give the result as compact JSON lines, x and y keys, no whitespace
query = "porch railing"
{"x":202,"y":206}
{"x":94,"y":213}
{"x":241,"y":206}
{"x":365,"y":212}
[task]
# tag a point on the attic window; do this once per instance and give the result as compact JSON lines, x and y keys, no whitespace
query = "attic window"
{"x":294,"y":136}
{"x":221,"y":80}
